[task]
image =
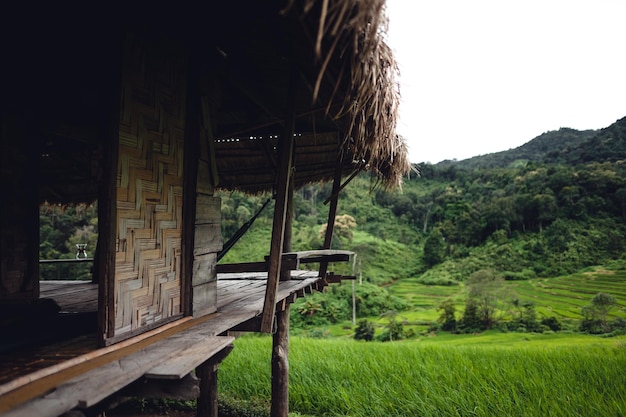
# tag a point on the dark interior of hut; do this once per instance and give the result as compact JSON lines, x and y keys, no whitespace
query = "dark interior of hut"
{"x":68,"y":82}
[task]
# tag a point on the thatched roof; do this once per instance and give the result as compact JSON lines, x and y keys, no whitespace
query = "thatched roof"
{"x":330,"y":53}
{"x":348,"y":105}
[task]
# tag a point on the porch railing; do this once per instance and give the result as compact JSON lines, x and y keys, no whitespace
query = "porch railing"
{"x":66,"y":269}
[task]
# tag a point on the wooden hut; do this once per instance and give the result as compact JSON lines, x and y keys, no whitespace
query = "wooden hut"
{"x":149,"y":111}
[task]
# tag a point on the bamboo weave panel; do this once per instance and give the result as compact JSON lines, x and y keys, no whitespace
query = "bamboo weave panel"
{"x":149,"y":187}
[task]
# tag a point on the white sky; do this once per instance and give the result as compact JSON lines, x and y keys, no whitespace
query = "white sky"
{"x":484,"y":76}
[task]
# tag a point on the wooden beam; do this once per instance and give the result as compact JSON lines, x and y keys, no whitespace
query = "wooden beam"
{"x":286,"y":264}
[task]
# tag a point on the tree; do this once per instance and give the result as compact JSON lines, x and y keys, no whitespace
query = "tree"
{"x":594,"y":313}
{"x":343,"y":229}
{"x":395,"y":329}
{"x":485,"y":288}
{"x":529,"y":317}
{"x":471,"y":321}
{"x":434,"y":248}
{"x":447,"y":318}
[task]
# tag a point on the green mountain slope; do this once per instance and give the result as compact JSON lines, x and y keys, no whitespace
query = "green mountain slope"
{"x":563,"y":146}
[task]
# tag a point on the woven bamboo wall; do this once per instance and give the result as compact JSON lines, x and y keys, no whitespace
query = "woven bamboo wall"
{"x":149,"y":186}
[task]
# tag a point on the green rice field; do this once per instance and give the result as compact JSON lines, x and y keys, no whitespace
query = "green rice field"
{"x":494,"y":374}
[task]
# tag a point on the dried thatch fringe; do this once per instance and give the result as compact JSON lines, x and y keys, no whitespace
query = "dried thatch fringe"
{"x":350,"y":37}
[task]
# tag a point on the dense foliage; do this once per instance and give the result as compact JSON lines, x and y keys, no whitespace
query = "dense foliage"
{"x":61,"y":228}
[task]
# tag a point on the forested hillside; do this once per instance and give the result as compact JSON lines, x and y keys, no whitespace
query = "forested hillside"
{"x":522,"y":217}
{"x":519,"y":218}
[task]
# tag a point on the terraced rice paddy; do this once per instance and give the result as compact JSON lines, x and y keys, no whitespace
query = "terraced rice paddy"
{"x":562,"y":297}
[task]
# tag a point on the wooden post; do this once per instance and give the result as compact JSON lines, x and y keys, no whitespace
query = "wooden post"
{"x":280,"y":339}
{"x":285,"y":162}
{"x":287,"y":245}
{"x":280,"y":365}
{"x":207,"y":372}
{"x":332,"y":213}
{"x":207,"y":401}
{"x":104,"y":264}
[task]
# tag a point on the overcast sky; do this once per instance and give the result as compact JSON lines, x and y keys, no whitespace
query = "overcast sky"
{"x":484,"y":76}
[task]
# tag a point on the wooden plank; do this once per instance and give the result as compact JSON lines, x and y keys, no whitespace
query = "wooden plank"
{"x":244,"y":301}
{"x":207,"y":239}
{"x":303,"y":255}
{"x":189,"y":358}
{"x":208,"y":209}
{"x":287,"y":264}
{"x":204,"y":269}
{"x":204,"y":299}
{"x":87,"y":389}
{"x":242,"y":267}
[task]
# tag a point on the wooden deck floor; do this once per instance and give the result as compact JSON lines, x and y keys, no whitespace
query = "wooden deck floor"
{"x":82,"y":296}
{"x":31,"y":372}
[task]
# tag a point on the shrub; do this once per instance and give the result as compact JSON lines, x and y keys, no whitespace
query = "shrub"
{"x":552,"y":323}
{"x":364,"y":331}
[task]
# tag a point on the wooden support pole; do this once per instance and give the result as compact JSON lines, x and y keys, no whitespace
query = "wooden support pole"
{"x":207,"y":372}
{"x":207,"y":401}
{"x":332,"y":213}
{"x":285,"y":274}
{"x":280,"y":340}
{"x":280,"y":365}
{"x":285,"y":162}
